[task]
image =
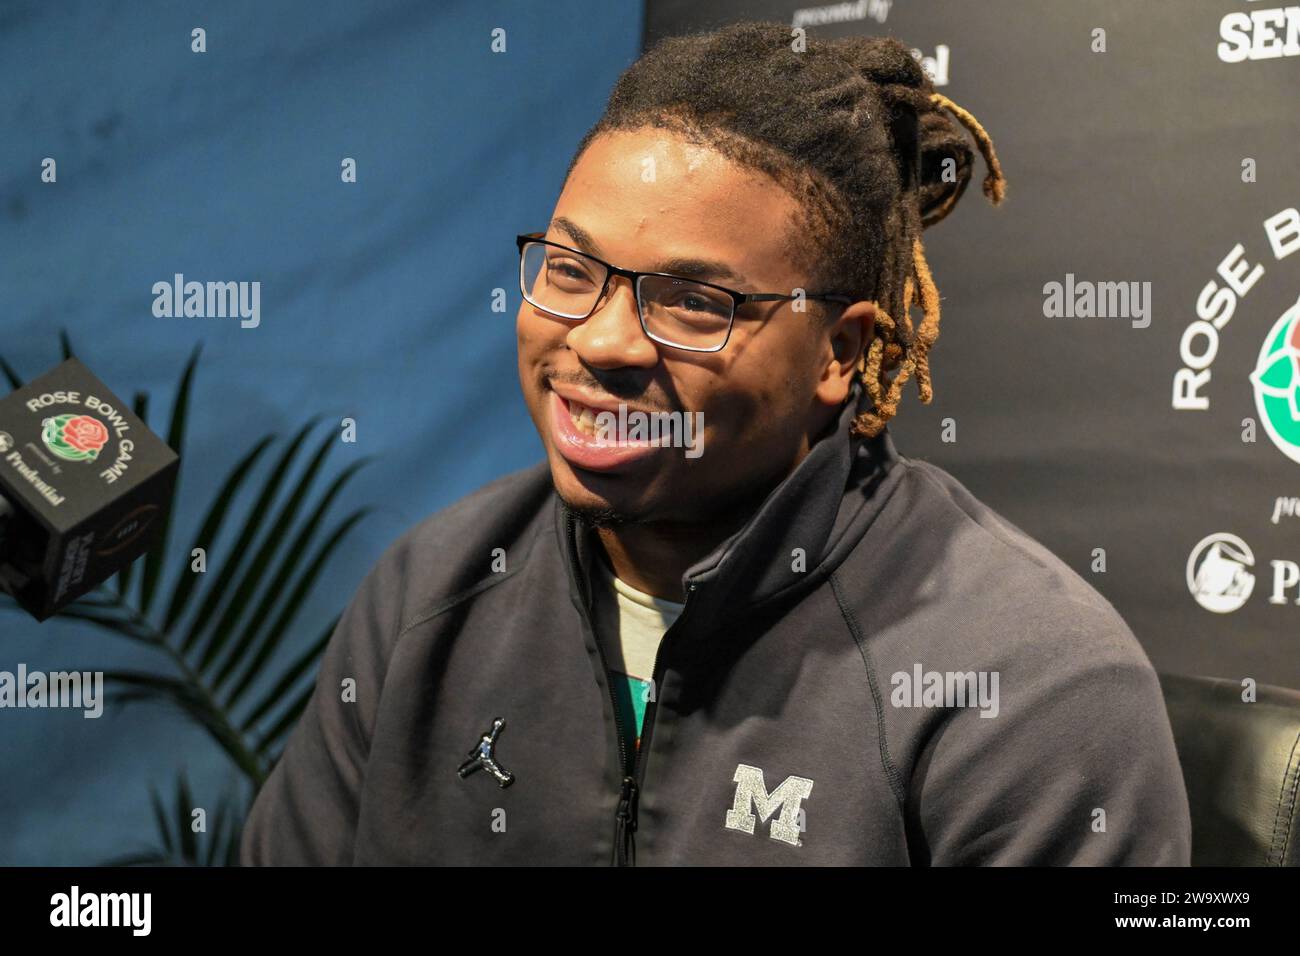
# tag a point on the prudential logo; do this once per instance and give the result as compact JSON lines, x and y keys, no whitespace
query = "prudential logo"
{"x":1276,"y":381}
{"x":1218,"y":572}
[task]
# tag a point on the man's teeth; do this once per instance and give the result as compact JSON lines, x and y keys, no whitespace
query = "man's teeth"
{"x":584,"y":418}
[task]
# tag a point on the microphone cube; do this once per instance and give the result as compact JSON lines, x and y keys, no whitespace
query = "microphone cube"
{"x":88,"y":484}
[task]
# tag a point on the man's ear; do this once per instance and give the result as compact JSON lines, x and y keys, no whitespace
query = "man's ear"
{"x":848,"y":337}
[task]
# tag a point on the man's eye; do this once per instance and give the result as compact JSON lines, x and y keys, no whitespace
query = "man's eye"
{"x":568,"y":270}
{"x":696,"y":302}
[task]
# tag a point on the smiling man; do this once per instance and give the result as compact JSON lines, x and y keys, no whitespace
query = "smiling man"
{"x":796,"y":648}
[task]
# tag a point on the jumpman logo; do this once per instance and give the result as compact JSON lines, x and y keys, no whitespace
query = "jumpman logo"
{"x":482,"y":757}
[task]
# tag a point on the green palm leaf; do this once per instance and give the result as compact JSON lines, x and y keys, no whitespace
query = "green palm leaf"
{"x":311,"y":572}
{"x":290,"y":677}
{"x":275,"y":590}
{"x":153,"y":561}
{"x":14,"y":381}
{"x":180,"y":845}
{"x":189,"y":845}
{"x":211,"y":526}
{"x":256,"y":570}
{"x":269,"y":741}
{"x":191,"y":698}
{"x":221,"y":585}
{"x":140,"y":405}
{"x":112,"y":618}
{"x":293,"y":603}
{"x":238,"y":618}
{"x":160,"y":817}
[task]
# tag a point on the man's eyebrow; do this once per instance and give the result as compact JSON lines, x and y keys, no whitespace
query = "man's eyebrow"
{"x":688,"y":267}
{"x":581,"y":237}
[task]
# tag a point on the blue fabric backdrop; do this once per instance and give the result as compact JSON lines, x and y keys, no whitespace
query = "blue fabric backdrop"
{"x":375,"y":296}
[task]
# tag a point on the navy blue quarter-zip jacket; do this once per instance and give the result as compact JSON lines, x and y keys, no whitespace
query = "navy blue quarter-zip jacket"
{"x":877,"y":669}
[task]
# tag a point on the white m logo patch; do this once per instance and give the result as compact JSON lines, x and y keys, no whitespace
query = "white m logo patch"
{"x":752,"y":798}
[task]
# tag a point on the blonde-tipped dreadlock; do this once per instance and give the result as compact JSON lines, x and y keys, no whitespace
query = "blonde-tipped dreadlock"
{"x":892,"y":347}
{"x":854,"y":128}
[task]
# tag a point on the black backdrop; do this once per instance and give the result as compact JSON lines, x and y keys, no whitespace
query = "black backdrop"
{"x":1130,"y":165}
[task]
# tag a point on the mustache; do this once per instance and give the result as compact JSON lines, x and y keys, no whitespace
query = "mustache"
{"x":619,"y":389}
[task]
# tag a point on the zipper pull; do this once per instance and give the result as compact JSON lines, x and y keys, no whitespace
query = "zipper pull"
{"x":627,"y":818}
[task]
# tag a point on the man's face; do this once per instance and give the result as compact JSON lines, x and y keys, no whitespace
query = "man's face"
{"x":640,"y":200}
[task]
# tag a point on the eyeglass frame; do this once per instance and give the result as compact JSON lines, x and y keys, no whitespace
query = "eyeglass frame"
{"x":737,"y":298}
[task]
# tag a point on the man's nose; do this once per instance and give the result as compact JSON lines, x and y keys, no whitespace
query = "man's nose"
{"x":612,"y":337}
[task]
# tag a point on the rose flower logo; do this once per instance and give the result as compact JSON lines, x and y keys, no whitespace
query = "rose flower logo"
{"x":74,"y":437}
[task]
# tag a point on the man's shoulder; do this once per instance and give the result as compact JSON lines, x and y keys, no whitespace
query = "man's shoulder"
{"x":956,"y":559}
{"x":984,"y":608}
{"x":484,"y":535}
{"x":981,"y":539}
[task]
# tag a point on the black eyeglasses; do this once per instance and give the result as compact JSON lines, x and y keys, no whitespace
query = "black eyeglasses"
{"x":681,"y":313}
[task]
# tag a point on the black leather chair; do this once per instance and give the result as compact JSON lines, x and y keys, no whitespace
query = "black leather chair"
{"x":1241,"y":763}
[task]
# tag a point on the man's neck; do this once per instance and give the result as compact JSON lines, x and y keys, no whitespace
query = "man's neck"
{"x":653,"y":557}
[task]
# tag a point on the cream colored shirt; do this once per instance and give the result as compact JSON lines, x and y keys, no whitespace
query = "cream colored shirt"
{"x":630,"y":624}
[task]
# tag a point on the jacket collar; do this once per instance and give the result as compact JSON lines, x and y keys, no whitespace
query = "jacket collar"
{"x":815,"y":507}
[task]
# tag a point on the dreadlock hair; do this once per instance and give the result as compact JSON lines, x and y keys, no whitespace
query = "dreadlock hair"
{"x":854,"y":130}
